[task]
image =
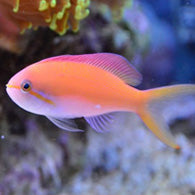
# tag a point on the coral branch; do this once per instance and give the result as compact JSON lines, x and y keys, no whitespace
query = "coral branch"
{"x":58,"y":15}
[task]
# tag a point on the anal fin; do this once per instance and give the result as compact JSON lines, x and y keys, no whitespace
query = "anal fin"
{"x":102,"y":122}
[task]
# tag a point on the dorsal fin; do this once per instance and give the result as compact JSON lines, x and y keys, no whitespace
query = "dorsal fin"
{"x":113,"y":63}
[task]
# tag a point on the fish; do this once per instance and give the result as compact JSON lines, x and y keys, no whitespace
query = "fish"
{"x":93,"y":86}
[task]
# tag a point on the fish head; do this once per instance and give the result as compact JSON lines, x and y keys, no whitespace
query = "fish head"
{"x":26,"y":89}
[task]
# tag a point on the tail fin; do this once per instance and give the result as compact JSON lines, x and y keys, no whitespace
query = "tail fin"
{"x":150,"y":115}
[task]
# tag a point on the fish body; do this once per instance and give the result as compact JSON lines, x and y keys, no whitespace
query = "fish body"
{"x":76,"y":90}
{"x":93,"y":86}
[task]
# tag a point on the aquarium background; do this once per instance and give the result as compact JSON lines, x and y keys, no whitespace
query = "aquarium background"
{"x":158,"y":38}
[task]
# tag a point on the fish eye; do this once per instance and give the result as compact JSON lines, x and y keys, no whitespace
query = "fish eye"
{"x":26,"y":86}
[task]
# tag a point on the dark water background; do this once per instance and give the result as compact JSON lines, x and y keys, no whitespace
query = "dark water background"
{"x":158,"y":38}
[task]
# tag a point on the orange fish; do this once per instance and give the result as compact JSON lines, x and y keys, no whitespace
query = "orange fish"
{"x":93,"y":86}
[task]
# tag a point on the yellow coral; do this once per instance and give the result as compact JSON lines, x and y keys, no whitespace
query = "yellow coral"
{"x":59,"y":15}
{"x":117,"y":6}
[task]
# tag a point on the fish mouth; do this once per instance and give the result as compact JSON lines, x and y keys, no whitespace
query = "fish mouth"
{"x":12,"y":86}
